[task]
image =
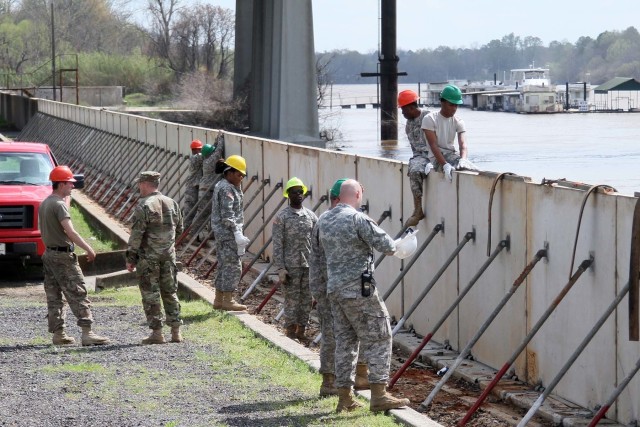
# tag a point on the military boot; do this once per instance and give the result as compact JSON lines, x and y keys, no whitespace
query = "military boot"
{"x":60,"y":337}
{"x":218,"y":301}
{"x":290,"y":331}
{"x":155,"y":337}
{"x":362,"y":377}
{"x":90,"y":338}
{"x":300,"y":336}
{"x":347,"y":400}
{"x":417,"y":214}
{"x":176,"y":336}
{"x":328,"y":386}
{"x":383,"y":401}
{"x":229,"y":304}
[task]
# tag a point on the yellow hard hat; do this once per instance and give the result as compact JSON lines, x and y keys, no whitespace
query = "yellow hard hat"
{"x":294,"y":182}
{"x":237,"y":162}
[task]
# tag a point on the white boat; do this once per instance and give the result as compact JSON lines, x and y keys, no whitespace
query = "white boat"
{"x":536,"y":93}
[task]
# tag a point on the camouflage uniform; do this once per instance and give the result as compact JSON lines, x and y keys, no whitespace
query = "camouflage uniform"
{"x":192,"y":184}
{"x":291,"y":247}
{"x":227,"y":217}
{"x":62,"y":274}
{"x":348,"y":238}
{"x":208,"y":180}
{"x":420,"y":149}
{"x":157,"y":221}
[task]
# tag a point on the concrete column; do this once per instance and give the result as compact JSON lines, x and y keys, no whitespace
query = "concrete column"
{"x":283,"y":102}
{"x":243,"y":47}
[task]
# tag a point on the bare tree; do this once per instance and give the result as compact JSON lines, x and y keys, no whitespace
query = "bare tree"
{"x":162,"y":13}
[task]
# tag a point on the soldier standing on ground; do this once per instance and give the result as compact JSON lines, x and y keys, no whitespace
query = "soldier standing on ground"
{"x":157,"y":221}
{"x":227,"y":222}
{"x":291,"y":249}
{"x":441,"y":129}
{"x":192,"y":183}
{"x":419,"y":164}
{"x":318,"y":287}
{"x":62,"y":273}
{"x":348,"y":238}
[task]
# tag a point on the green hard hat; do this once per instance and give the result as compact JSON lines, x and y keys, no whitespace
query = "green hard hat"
{"x":207,"y":149}
{"x":335,"y":190}
{"x":452,"y":94}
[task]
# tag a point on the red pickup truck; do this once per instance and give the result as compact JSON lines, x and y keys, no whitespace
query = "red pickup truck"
{"x":24,"y":184}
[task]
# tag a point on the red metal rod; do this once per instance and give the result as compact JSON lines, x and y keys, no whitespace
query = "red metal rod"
{"x":209,"y":271}
{"x":484,"y":394}
{"x":204,"y":242}
{"x":410,"y":360}
{"x":267,"y":298}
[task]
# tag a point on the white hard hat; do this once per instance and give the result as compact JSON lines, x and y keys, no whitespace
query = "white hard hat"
{"x":406,"y":246}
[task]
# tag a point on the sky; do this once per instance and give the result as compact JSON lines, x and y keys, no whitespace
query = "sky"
{"x":353,"y":24}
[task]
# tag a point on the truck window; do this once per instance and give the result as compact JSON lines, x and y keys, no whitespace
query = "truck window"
{"x":25,"y":168}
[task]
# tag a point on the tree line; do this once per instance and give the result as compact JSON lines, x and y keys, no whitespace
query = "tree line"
{"x":596,"y":60}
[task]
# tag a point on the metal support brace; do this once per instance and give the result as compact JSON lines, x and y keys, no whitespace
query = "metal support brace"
{"x":470,"y":235}
{"x":255,"y":282}
{"x":267,"y":221}
{"x":273,"y":290}
{"x":614,"y":395}
{"x":258,"y":191}
{"x":266,"y":200}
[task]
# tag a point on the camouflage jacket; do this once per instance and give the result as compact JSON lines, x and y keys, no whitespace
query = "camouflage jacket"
{"x":209,"y":168}
{"x":417,"y":140}
{"x":291,"y":235}
{"x":226,"y":212}
{"x":157,"y":221}
{"x":195,"y":171}
{"x":348,"y":238}
{"x":317,"y":263}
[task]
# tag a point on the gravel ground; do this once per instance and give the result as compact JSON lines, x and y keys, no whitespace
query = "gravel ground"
{"x":41,"y":386}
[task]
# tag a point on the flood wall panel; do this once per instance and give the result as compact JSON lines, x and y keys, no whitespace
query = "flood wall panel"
{"x":253,"y":152}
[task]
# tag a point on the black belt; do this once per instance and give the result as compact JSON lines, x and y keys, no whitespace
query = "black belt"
{"x":61,"y":248}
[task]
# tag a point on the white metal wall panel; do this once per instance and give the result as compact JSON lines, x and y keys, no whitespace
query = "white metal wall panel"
{"x":207,"y":137}
{"x":155,"y":130}
{"x":382,"y":181}
{"x":627,"y":353}
{"x":440,"y":199}
{"x":171,"y":139}
{"x":554,"y":216}
{"x":94,"y":118}
{"x":183,"y":139}
{"x":333,"y":166}
{"x":253,"y":151}
{"x":507,"y":330}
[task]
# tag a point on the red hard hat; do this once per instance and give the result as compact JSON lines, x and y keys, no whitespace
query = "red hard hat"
{"x":407,"y":97}
{"x":196,"y":143}
{"x":61,"y":174}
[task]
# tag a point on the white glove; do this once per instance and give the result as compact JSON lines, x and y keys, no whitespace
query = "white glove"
{"x":466,"y":164}
{"x":282,"y":275}
{"x":241,"y":240}
{"x":241,"y":250}
{"x":428,"y":168}
{"x":448,"y":171}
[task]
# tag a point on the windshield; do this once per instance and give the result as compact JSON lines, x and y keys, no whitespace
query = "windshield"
{"x":25,"y":168}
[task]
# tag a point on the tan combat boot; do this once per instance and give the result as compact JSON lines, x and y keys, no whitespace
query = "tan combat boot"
{"x":218,"y":301}
{"x":383,"y":401}
{"x":362,"y":377}
{"x":347,"y":400}
{"x":328,"y":386}
{"x":417,"y":214}
{"x":300,"y":336}
{"x":155,"y":337}
{"x":60,"y":337}
{"x":229,"y":304}
{"x":290,"y":331}
{"x":176,"y":336}
{"x":90,"y":338}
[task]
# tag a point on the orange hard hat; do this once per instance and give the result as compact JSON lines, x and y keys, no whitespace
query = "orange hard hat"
{"x":195,"y":144}
{"x":407,"y":97}
{"x":61,"y":174}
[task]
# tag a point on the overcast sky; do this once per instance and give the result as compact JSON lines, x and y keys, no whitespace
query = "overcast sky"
{"x":353,"y":24}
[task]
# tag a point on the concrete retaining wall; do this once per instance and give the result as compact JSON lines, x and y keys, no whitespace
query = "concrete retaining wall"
{"x":530,"y":215}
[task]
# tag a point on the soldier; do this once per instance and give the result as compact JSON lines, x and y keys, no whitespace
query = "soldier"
{"x":348,"y":238}
{"x":318,"y":287}
{"x":227,"y":221}
{"x":419,"y":164}
{"x":157,"y":221}
{"x":211,"y":154}
{"x":62,"y":274}
{"x":193,"y":182}
{"x":291,"y":248}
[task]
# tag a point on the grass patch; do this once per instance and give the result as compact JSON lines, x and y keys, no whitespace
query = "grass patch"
{"x":98,"y":241}
{"x":75,"y":368}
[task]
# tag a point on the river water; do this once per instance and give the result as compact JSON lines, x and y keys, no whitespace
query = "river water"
{"x":593,"y":148}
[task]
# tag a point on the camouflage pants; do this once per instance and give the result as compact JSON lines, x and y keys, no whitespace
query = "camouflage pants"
{"x":159,"y":285}
{"x":229,"y":265}
{"x":190,"y":200}
{"x":328,"y":341}
{"x":297,"y":296}
{"x":365,"y":319}
{"x":416,"y":174}
{"x":62,"y":276}
{"x":454,"y":160}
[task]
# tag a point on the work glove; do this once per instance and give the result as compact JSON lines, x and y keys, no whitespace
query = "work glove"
{"x":282,"y":275}
{"x":466,"y":164}
{"x":241,"y":250}
{"x":241,"y":240}
{"x":448,"y":171}
{"x":428,"y":168}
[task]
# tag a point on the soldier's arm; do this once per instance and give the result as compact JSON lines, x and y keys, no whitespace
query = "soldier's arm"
{"x":374,"y":235}
{"x":277,"y":236}
{"x":73,"y":235}
{"x":135,"y":238}
{"x":226,"y":209}
{"x":179,"y":220}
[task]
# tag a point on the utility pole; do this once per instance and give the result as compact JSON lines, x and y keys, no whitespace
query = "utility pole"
{"x":53,"y":56}
{"x":388,"y":74}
